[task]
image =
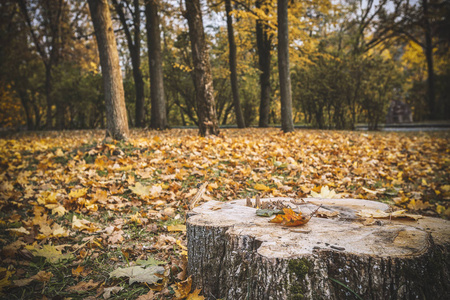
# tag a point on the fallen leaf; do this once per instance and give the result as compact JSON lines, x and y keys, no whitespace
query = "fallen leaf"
{"x":378,"y":214}
{"x":195,"y":295}
{"x":179,"y":227}
{"x":183,"y":288}
{"x":290,"y":218}
{"x":151,"y":261}
{"x":139,"y":274}
{"x":325,"y":192}
{"x":83,"y":286}
{"x":50,"y":252}
{"x":261,"y":187}
{"x":18,"y":231}
{"x":111,"y":290}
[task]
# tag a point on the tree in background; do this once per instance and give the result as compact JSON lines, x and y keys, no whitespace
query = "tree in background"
{"x":133,"y":37}
{"x":116,"y":118}
{"x":158,"y":107}
{"x":233,"y":69}
{"x":49,"y":35}
{"x":206,"y":108}
{"x":287,"y":124}
{"x":264,"y":44}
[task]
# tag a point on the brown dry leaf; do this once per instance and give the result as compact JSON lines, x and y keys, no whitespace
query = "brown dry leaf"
{"x":378,"y":214}
{"x":83,"y":286}
{"x":195,"y":295}
{"x":77,"y":272}
{"x":149,"y":296}
{"x":290,"y":218}
{"x":183,"y":288}
{"x":41,"y":276}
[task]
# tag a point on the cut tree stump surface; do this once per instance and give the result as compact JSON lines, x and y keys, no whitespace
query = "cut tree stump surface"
{"x":235,"y":254}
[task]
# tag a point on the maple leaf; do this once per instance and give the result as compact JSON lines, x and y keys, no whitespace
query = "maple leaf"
{"x":195,"y":295}
{"x":115,"y":289}
{"x":151,"y":261}
{"x":325,"y":192}
{"x":145,"y":191}
{"x":18,"y":231}
{"x":290,"y":218}
{"x":176,"y":228}
{"x":83,"y":286}
{"x":261,"y":187}
{"x":82,"y":224}
{"x":75,"y":194}
{"x":139,"y":274}
{"x":50,"y":252}
{"x":5,"y":279}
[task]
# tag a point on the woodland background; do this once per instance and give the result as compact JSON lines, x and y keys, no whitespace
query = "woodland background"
{"x":83,"y":216}
{"x":348,"y":60}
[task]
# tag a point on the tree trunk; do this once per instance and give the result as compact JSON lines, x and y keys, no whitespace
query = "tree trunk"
{"x":233,"y":70}
{"x":206,"y":107}
{"x":48,"y":97}
{"x":287,"y":124}
{"x":24,"y":99}
{"x":134,"y":47}
{"x":116,"y":118}
{"x":158,"y":108}
{"x":235,"y":254}
{"x":263,"y":42}
{"x":429,"y":57}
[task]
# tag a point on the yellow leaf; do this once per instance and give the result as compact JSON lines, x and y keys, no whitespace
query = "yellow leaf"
{"x":59,"y":210}
{"x":261,"y":187}
{"x":59,"y":152}
{"x":176,"y":228}
{"x":181,"y":245}
{"x":195,"y":295}
{"x":75,"y":194}
{"x":18,"y":231}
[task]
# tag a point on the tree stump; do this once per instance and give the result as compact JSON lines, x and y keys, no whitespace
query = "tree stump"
{"x":235,"y":254}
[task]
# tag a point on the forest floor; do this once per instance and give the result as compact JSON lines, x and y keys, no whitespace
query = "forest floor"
{"x":84,"y":218}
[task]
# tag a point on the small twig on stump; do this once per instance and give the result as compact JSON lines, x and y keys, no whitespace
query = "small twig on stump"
{"x":198,"y":196}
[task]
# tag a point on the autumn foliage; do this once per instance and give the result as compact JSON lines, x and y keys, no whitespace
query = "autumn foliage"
{"x":82,"y":217}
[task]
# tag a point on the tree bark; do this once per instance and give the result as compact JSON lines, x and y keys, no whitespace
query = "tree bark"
{"x":263,"y":43}
{"x":158,"y":108}
{"x":206,"y":107}
{"x":116,"y":114}
{"x":429,"y":56}
{"x":134,"y":46}
{"x":234,"y":254}
{"x":233,"y":69}
{"x":287,"y":124}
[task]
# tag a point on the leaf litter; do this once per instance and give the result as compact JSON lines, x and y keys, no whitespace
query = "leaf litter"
{"x":74,"y":210}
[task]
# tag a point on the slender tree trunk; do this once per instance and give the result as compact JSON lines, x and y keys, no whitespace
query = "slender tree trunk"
{"x":287,"y":124}
{"x":116,"y":114}
{"x":206,"y":107}
{"x":26,"y":106}
{"x":134,"y":46}
{"x":429,"y":57}
{"x":48,"y":96}
{"x":158,"y":108}
{"x":263,"y":42}
{"x":233,"y":72}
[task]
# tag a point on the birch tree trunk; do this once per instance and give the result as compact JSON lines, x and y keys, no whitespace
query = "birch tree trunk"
{"x":116,"y":114}
{"x":235,"y":254}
